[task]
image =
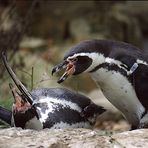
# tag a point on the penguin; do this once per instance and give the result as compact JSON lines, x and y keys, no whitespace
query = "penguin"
{"x":48,"y":107}
{"x":5,"y":115}
{"x":119,"y":69}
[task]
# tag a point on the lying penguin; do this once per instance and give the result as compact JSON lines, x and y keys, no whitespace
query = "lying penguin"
{"x":48,"y":107}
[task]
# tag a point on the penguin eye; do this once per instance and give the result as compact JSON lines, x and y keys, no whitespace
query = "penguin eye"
{"x":72,"y":59}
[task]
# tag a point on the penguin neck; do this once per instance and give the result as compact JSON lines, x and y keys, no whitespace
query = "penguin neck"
{"x":97,"y":59}
{"x":27,"y":119}
{"x":34,"y":123}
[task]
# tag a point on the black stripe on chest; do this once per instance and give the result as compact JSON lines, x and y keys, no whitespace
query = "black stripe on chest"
{"x":63,"y":115}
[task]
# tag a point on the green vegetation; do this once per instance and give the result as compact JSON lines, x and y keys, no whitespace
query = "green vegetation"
{"x":6,"y":102}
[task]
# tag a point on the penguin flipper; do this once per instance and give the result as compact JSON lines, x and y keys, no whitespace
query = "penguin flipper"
{"x":91,"y":110}
{"x":5,"y":115}
{"x":140,"y":82}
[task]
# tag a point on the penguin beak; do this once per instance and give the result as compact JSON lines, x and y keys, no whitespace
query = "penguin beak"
{"x":59,"y":67}
{"x":18,"y":83}
{"x":20,"y":103}
{"x":69,"y":67}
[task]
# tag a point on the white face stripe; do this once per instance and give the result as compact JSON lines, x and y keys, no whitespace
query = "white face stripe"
{"x":52,"y":107}
{"x":98,"y":58}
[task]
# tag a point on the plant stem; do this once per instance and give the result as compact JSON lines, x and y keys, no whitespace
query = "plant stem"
{"x":32,"y":73}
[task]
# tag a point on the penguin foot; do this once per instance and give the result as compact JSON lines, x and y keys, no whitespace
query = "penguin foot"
{"x":144,"y":121}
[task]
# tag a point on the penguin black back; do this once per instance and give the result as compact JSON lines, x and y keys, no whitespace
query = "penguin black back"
{"x":62,"y":93}
{"x":65,"y":108}
{"x":106,"y":47}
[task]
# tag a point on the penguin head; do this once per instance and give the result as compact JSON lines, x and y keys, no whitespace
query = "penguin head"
{"x":22,"y":110}
{"x":80,"y":58}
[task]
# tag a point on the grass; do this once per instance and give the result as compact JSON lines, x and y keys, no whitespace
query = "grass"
{"x":7,"y":103}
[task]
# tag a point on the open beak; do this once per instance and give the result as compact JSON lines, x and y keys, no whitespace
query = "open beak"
{"x":17,"y":96}
{"x":20,"y":103}
{"x":18,"y":83}
{"x":69,"y":67}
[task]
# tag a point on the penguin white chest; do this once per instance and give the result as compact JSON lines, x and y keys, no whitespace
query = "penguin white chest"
{"x":119,"y":91}
{"x":34,"y":123}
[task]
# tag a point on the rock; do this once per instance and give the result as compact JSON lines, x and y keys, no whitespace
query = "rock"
{"x":50,"y":138}
{"x":118,"y":126}
{"x":121,"y":125}
{"x":132,"y":139}
{"x":71,"y":138}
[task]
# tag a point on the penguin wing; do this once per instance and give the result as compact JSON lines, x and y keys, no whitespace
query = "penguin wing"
{"x":91,"y":110}
{"x":5,"y":115}
{"x":140,"y":82}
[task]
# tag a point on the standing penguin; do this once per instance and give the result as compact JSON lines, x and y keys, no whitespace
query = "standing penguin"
{"x":121,"y":71}
{"x":48,"y":107}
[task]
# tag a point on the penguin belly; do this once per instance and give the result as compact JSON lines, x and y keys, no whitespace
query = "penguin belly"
{"x":120,"y":92}
{"x":34,"y":123}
